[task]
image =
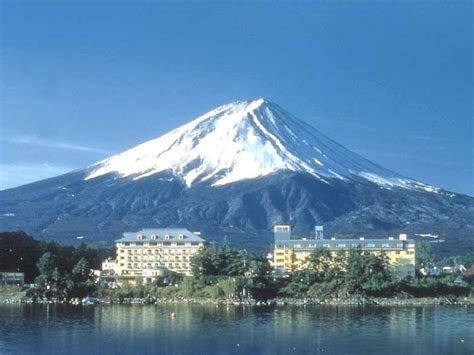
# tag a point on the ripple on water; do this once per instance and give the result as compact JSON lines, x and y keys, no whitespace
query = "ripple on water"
{"x":207,"y":329}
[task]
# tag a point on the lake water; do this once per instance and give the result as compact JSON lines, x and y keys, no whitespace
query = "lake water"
{"x":139,"y":329}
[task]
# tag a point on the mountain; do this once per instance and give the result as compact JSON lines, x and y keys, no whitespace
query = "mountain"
{"x":236,"y":171}
{"x":246,"y":140}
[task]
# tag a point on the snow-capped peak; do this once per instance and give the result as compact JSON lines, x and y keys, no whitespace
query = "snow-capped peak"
{"x":244,"y":140}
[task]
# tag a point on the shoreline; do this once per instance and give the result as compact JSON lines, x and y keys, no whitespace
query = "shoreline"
{"x":277,"y":302}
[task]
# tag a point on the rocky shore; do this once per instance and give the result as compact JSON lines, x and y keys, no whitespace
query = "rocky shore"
{"x":277,"y":302}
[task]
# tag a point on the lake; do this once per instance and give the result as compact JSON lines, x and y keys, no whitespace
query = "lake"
{"x":206,"y":329}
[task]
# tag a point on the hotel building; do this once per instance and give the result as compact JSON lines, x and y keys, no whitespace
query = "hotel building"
{"x":150,"y":253}
{"x":292,"y":252}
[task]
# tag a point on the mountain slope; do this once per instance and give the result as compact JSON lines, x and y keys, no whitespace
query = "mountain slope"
{"x":245,"y":140}
{"x":237,"y":171}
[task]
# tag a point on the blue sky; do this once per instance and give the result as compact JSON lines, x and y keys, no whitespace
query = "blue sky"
{"x":82,"y":80}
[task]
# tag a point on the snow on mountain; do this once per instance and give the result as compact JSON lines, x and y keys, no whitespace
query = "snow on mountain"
{"x":244,"y":140}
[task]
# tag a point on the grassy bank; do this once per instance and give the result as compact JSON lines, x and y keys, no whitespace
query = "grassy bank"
{"x":12,"y":294}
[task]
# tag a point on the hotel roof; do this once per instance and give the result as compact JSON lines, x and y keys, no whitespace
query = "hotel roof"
{"x":160,"y":234}
{"x":343,"y":243}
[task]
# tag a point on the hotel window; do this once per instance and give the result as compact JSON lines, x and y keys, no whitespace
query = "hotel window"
{"x":370,"y":245}
{"x":385,"y":245}
{"x":341,"y":245}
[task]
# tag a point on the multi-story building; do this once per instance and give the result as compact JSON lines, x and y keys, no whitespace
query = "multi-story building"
{"x":291,"y":252}
{"x":150,"y":253}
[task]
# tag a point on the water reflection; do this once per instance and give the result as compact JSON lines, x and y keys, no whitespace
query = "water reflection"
{"x":51,"y":329}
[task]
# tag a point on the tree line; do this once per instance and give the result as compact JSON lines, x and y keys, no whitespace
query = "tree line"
{"x":49,"y":263}
{"x":351,"y":272}
{"x":218,"y":272}
{"x":224,"y":272}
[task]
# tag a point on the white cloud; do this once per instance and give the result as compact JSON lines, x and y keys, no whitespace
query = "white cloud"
{"x":16,"y":174}
{"x":43,"y":142}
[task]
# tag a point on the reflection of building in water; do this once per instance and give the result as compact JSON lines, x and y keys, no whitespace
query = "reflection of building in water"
{"x":291,"y":252}
{"x":149,"y":321}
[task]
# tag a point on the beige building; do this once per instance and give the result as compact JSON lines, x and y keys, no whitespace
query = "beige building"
{"x":150,"y":253}
{"x":292,"y":252}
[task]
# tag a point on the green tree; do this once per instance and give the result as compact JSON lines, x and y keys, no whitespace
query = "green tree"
{"x":235,"y":262}
{"x":355,"y":275}
{"x":223,"y":261}
{"x":56,"y":276}
{"x":320,"y":262}
{"x":338,"y":266}
{"x":378,"y":273}
{"x":46,"y":269}
{"x":205,"y":262}
{"x":79,"y":283}
{"x":228,"y":286}
{"x":214,"y":291}
{"x":424,"y":255}
{"x":187,"y":287}
{"x":81,"y":271}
